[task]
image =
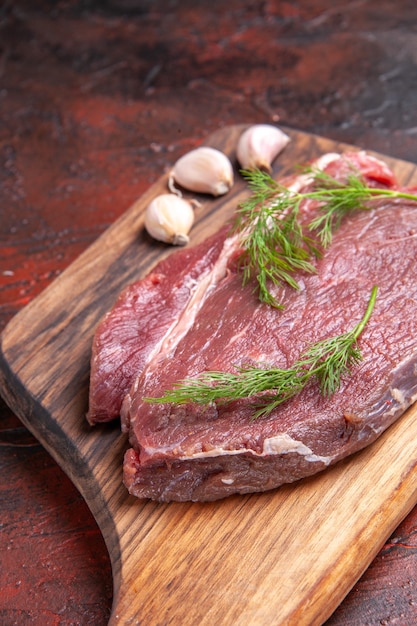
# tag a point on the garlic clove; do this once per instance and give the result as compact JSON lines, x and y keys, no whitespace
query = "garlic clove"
{"x":204,"y":170}
{"x":259,"y":145}
{"x":169,"y":218}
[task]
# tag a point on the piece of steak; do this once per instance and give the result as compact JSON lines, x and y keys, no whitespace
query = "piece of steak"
{"x":193,"y":452}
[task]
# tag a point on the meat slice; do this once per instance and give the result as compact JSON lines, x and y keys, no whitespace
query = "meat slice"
{"x":193,"y":452}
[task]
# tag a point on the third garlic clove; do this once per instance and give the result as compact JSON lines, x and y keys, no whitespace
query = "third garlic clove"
{"x":259,"y":145}
{"x":169,"y":218}
{"x":204,"y":170}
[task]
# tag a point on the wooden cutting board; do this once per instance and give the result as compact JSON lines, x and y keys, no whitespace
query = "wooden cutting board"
{"x":284,"y":557}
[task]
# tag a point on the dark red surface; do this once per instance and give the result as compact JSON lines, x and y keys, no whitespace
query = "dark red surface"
{"x":96,"y":100}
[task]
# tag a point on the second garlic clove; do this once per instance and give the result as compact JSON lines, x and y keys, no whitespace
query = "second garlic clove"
{"x":204,"y":170}
{"x":259,"y":145}
{"x":169,"y":218}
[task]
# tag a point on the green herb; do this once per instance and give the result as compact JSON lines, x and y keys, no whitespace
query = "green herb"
{"x":338,"y":199}
{"x":327,"y":360}
{"x":274,"y":242}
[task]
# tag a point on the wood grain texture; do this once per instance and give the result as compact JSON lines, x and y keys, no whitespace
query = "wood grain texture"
{"x":289,"y":556}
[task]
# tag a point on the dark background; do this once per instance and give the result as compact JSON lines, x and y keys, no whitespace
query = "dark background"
{"x":97,"y":99}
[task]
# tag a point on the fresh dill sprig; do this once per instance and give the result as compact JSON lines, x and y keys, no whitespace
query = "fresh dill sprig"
{"x":327,"y":360}
{"x":274,"y":242}
{"x":337,"y":199}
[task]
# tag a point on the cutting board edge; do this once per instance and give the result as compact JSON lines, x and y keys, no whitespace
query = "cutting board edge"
{"x":13,"y":391}
{"x":400,"y":512}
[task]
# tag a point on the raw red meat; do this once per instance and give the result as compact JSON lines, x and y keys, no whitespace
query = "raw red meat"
{"x":193,"y":452}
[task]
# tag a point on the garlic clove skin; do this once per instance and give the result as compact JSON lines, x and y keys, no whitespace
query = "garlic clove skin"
{"x":259,"y":145}
{"x":169,"y":218}
{"x":204,"y":170}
